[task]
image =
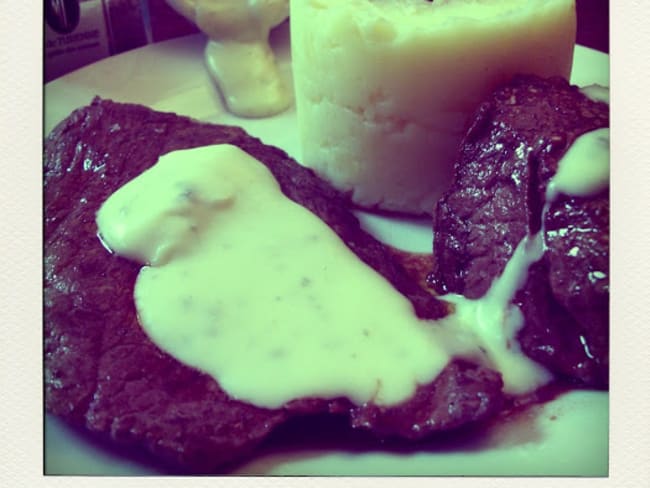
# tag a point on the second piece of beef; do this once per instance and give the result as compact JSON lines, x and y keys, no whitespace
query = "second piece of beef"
{"x":509,"y":154}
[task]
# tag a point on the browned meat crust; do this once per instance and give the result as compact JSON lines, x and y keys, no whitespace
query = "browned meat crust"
{"x":101,"y":371}
{"x":509,"y":154}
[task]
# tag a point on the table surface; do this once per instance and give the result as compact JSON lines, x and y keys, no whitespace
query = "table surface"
{"x":593,"y":24}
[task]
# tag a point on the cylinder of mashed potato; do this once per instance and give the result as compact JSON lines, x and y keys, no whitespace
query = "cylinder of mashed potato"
{"x":384,"y":88}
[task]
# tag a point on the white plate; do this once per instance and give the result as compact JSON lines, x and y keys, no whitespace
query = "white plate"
{"x":568,"y":436}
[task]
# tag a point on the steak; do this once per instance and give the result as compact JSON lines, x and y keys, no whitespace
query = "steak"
{"x":509,"y":154}
{"x":104,"y":375}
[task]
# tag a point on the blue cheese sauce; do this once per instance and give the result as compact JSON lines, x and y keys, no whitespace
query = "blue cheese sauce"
{"x":244,"y":284}
{"x":597,"y":93}
{"x":238,"y":55}
{"x":494,"y":322}
{"x":584,"y":169}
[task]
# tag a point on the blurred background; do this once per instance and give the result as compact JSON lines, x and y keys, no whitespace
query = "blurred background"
{"x":80,"y":32}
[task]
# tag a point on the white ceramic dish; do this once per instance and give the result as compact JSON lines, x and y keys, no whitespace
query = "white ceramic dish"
{"x":566,"y":437}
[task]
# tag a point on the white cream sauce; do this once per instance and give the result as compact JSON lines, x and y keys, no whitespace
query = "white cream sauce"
{"x":598,"y":93}
{"x":253,"y":289}
{"x":584,"y":169}
{"x":238,"y":54}
{"x":495,"y":321}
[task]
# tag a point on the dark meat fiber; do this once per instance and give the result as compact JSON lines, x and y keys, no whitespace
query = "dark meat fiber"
{"x":104,"y":375}
{"x":509,"y":154}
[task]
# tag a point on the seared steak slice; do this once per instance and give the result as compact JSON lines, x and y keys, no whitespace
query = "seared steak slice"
{"x":507,"y":158}
{"x":102,"y":373}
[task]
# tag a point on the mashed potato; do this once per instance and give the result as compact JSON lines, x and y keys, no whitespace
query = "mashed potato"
{"x":384,"y":88}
